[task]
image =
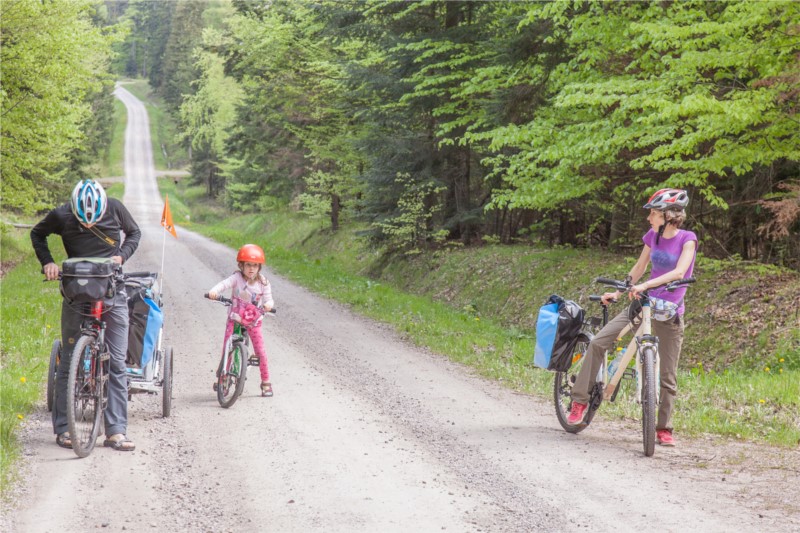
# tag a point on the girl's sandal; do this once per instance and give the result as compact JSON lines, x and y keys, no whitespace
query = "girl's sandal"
{"x":266,"y":389}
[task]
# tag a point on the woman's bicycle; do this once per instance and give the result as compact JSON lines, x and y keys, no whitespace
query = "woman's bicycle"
{"x":643,"y":345}
{"x":232,"y":370}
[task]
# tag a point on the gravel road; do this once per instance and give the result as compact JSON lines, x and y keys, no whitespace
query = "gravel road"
{"x":365,"y":433}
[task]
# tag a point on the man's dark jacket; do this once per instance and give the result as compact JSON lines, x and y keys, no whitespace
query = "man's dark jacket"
{"x":81,"y":242}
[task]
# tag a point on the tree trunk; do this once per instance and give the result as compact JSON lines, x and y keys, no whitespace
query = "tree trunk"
{"x":335,"y":208}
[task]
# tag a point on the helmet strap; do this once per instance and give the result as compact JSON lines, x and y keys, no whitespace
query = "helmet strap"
{"x":661,"y":229}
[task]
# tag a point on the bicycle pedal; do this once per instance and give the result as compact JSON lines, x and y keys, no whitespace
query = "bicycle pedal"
{"x":253,"y":361}
{"x":630,"y":373}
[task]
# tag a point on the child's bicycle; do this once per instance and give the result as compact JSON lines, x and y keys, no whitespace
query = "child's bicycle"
{"x":646,"y":372}
{"x":232,"y":370}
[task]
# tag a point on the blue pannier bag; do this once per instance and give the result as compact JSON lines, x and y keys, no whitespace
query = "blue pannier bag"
{"x":557,"y":328}
{"x":145,"y":319}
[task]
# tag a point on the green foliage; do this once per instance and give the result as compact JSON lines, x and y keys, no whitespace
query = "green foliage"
{"x":411,"y":231}
{"x":53,"y":57}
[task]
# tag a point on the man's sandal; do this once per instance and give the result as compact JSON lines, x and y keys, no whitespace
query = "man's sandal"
{"x":266,"y":388}
{"x":120,"y":443}
{"x":64,"y":440}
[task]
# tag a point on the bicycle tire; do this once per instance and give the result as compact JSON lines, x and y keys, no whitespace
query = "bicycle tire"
{"x":84,"y":396}
{"x":233,"y":372}
{"x":562,"y":391}
{"x":166,"y":384}
{"x":52,"y":372}
{"x":649,"y":401}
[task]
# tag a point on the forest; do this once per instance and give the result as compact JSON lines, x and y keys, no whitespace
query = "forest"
{"x":432,"y":122}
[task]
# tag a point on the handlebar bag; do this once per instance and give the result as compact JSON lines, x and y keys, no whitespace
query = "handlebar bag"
{"x":558,"y":326}
{"x":88,"y":279}
{"x":243,"y":313}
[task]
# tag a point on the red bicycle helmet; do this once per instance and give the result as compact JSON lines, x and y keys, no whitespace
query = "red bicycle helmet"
{"x":668,"y":199}
{"x":251,"y":253}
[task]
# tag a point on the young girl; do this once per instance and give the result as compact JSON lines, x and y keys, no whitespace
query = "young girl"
{"x":249,"y":285}
{"x":671,"y":252}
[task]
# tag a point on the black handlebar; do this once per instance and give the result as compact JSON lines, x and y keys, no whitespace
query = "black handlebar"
{"x":626,"y":284}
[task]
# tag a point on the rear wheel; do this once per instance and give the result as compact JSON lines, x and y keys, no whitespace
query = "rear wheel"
{"x":55,"y":357}
{"x":649,"y":400}
{"x":230,"y":383}
{"x":562,"y":390}
{"x":84,"y":396}
{"x":166,"y":384}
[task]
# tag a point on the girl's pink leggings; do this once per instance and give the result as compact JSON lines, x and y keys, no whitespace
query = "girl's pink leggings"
{"x":254,"y":331}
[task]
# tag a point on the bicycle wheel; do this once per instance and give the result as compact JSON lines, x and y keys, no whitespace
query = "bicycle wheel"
{"x":562,"y":391}
{"x":55,"y":357}
{"x":166,"y":383}
{"x":84,"y":396}
{"x":649,"y":400}
{"x":233,"y":371}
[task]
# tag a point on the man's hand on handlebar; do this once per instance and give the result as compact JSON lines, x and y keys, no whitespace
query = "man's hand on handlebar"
{"x":50,"y":271}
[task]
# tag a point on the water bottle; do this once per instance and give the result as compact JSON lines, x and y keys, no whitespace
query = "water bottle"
{"x":612,"y":368}
{"x":86,"y":363}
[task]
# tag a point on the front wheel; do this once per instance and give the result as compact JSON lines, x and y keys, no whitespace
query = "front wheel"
{"x":233,"y":372}
{"x":649,"y":404}
{"x":562,"y":391}
{"x":84,"y":396}
{"x":55,"y":357}
{"x":166,"y":383}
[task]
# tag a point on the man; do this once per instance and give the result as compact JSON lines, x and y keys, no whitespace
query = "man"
{"x":90,"y":225}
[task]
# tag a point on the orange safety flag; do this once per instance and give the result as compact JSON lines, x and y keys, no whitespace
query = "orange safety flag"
{"x":166,"y":218}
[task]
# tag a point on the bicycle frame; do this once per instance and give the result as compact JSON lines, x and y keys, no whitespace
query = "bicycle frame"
{"x":641,"y":339}
{"x":95,"y":326}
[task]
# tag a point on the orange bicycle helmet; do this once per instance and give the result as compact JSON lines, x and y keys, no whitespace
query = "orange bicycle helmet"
{"x":251,"y":253}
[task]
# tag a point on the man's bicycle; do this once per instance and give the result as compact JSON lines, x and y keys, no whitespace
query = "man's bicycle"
{"x":643,"y":345}
{"x":232,"y":370}
{"x":87,"y":379}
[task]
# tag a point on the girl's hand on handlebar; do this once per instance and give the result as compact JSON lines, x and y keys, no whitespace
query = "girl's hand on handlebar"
{"x":212,"y":295}
{"x":609,"y":297}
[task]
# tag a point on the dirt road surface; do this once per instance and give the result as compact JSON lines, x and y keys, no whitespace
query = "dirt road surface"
{"x":365,"y":433}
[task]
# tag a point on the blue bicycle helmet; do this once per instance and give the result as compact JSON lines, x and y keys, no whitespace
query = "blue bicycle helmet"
{"x":88,"y":201}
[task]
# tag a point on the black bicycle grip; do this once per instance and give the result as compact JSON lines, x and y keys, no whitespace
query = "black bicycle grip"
{"x":141,"y":274}
{"x":609,"y":281}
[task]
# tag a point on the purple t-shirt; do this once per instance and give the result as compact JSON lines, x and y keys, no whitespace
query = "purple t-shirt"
{"x":664,"y":258}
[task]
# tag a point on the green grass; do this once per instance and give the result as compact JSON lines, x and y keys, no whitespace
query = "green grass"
{"x":162,"y":127}
{"x":478,"y":307}
{"x":29,"y":312}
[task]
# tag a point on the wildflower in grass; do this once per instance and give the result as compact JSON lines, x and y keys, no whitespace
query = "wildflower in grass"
{"x":20,"y":416}
{"x":780,"y":360}
{"x":477,"y":318}
{"x":761,"y":401}
{"x":766,"y":369}
{"x":22,"y":379}
{"x":780,"y":371}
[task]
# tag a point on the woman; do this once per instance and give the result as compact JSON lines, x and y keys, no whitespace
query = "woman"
{"x":672,"y":252}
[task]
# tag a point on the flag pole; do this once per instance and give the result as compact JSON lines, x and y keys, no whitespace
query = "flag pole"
{"x":163,"y":253}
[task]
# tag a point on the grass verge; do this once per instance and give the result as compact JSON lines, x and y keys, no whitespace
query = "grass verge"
{"x":29,"y":313}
